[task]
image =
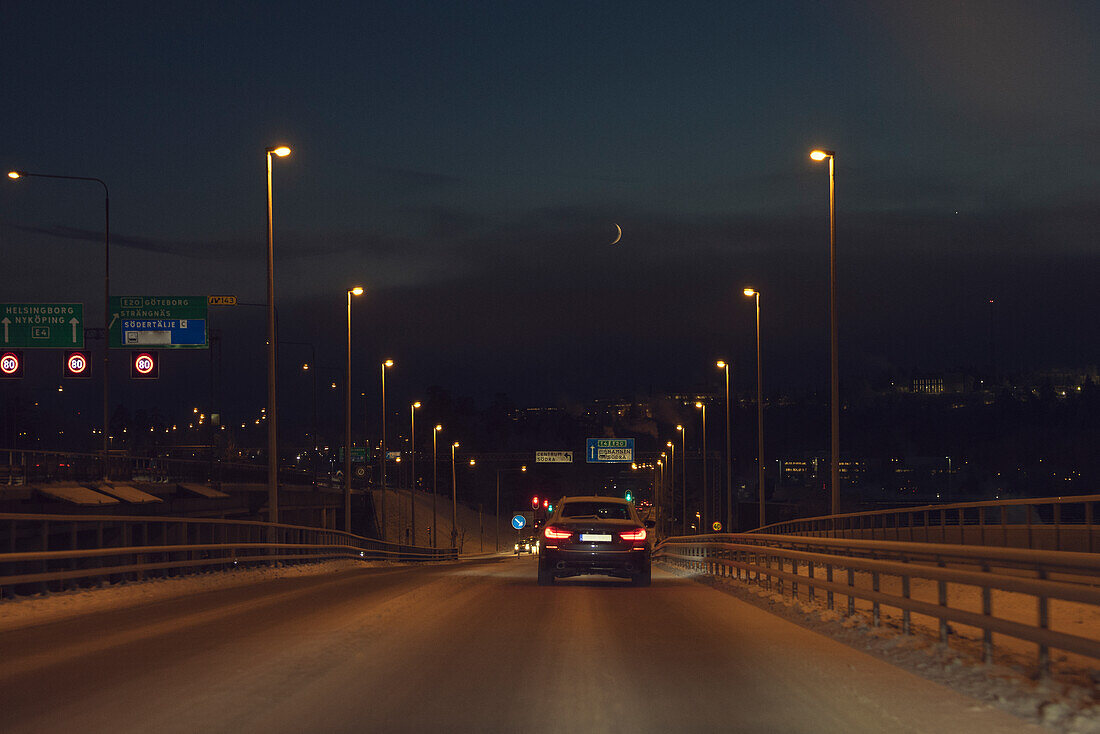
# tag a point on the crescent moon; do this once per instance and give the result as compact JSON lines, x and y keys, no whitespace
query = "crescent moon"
{"x":620,"y":235}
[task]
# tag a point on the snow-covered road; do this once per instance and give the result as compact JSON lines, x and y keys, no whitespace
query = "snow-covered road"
{"x":469,"y":646}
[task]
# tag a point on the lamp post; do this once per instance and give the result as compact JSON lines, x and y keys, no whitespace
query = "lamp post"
{"x":723,"y":365}
{"x":15,"y":176}
{"x":684,"y":476}
{"x":834,"y":468}
{"x":671,"y":477}
{"x":356,"y":291}
{"x":382,"y":459}
{"x":435,"y":491}
{"x":454,"y":498}
{"x":657,"y":493}
{"x":496,"y":543}
{"x":272,"y":432}
{"x":412,"y":468}
{"x":702,"y":406}
{"x":750,"y":292}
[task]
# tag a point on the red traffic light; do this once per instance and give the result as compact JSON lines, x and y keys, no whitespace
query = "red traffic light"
{"x":545,"y":504}
{"x":77,"y":365}
{"x":535,"y":503}
{"x":11,"y":364}
{"x":144,"y":366}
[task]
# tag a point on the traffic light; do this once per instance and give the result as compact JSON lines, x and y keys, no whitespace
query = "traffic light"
{"x":629,"y":496}
{"x":11,"y":365}
{"x":534,"y":503}
{"x":76,"y":365}
{"x":144,"y":366}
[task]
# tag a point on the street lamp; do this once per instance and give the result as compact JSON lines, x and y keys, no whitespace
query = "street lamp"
{"x":702,"y":406}
{"x":412,"y":468}
{"x":496,"y":544}
{"x":454,"y":498}
{"x":834,"y":468}
{"x":723,"y":365}
{"x":15,"y":176}
{"x":382,"y":460}
{"x":684,"y":476}
{"x":435,"y":491}
{"x":356,"y":291}
{"x":671,"y":477}
{"x":272,"y":434}
{"x":752,"y":293}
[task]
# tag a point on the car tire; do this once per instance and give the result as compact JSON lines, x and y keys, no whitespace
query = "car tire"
{"x":546,"y":577}
{"x":642,"y":579}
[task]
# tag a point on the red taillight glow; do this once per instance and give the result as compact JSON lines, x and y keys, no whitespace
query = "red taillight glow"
{"x":553,"y":533}
{"x":638,"y":534}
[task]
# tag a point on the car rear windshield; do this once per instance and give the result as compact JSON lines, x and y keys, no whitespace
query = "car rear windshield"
{"x":602,"y":510}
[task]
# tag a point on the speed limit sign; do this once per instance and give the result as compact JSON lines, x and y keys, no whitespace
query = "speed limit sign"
{"x":144,"y":366}
{"x":11,"y":364}
{"x":76,"y":365}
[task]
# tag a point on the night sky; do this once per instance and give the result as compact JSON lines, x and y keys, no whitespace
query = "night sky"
{"x":467,"y":162}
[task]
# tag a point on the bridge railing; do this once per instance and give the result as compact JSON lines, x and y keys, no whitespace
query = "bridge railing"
{"x":54,"y":552}
{"x":1047,"y":523}
{"x":831,"y":565}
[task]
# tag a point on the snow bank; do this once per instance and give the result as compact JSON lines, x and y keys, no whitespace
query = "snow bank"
{"x":1069,"y":703}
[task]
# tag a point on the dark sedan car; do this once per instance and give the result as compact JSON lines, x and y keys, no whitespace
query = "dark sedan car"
{"x":594,"y":535}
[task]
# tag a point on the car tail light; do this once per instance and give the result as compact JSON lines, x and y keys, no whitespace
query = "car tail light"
{"x":553,"y":533}
{"x":638,"y":534}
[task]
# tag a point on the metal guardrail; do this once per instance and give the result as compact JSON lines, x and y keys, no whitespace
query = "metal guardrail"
{"x":52,"y":552}
{"x":1050,"y":523}
{"x":798,"y":561}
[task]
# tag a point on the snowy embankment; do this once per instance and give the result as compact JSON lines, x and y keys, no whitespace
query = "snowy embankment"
{"x":26,"y":611}
{"x":1068,"y":703}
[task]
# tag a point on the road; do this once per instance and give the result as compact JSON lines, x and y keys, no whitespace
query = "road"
{"x":468,"y":646}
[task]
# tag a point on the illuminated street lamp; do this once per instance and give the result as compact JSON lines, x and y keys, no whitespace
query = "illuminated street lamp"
{"x":272,"y":434}
{"x":454,"y":498}
{"x":671,"y":477}
{"x":723,"y":365}
{"x":382,"y":460}
{"x":702,"y":406}
{"x":752,"y":293}
{"x":356,"y":291}
{"x":435,"y":490}
{"x":412,"y":468}
{"x":15,"y":176}
{"x":834,"y":467}
{"x":684,"y":476}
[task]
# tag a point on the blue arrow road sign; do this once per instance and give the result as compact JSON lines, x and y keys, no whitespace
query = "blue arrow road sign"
{"x":518,"y":521}
{"x":610,"y":450}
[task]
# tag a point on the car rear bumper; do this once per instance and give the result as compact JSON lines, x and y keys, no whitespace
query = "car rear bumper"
{"x":622,"y":563}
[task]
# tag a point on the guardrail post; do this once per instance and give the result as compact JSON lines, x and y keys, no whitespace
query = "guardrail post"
{"x":829,"y":592}
{"x":987,"y":611}
{"x":45,"y":540}
{"x":874,"y":604}
{"x":1044,"y":623}
{"x":851,"y":585}
{"x":810,"y":572}
{"x":905,"y":627}
{"x":941,"y":589}
{"x":1088,"y":523}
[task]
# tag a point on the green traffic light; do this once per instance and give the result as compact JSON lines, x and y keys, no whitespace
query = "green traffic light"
{"x":629,"y":496}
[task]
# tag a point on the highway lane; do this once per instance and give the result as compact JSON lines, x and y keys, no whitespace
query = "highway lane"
{"x":470,"y":646}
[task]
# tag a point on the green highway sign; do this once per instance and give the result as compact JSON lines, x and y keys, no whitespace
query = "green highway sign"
{"x":42,"y":325}
{"x":158,"y":322}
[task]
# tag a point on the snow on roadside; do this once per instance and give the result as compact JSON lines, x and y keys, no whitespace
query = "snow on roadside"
{"x":1067,"y":704}
{"x":26,"y":611}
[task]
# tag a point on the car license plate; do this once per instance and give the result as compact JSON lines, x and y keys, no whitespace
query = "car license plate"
{"x":595,"y":538}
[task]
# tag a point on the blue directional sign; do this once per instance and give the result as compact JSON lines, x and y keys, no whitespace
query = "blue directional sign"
{"x":158,"y":322}
{"x":518,"y":522}
{"x":610,"y":450}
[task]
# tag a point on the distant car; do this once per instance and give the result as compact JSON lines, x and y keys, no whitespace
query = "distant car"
{"x":594,"y":535}
{"x":526,"y":545}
